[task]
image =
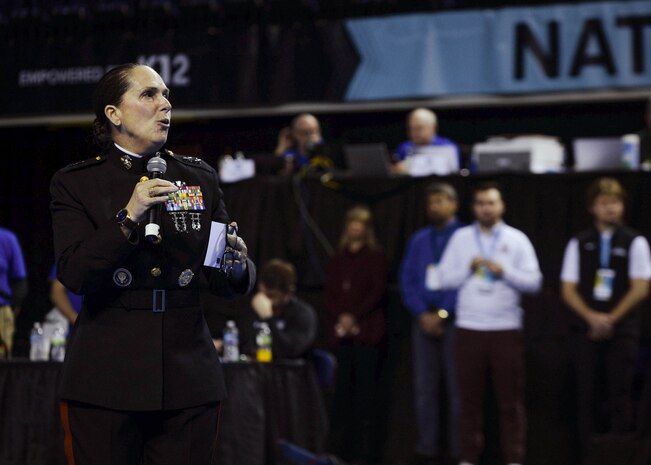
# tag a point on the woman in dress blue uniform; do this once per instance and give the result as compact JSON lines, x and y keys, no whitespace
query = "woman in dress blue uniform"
{"x":141,"y":381}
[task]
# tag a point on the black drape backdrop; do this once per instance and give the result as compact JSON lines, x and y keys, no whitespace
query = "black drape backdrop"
{"x":549,"y":208}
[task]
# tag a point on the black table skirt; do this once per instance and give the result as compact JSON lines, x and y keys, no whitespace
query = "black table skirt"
{"x":266,"y":402}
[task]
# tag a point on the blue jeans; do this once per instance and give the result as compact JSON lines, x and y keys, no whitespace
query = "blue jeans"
{"x":434,"y":368}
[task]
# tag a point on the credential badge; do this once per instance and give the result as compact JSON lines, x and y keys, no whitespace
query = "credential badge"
{"x":185,"y":277}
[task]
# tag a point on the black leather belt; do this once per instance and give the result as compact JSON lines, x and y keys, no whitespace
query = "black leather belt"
{"x":158,"y":300}
{"x":155,"y":300}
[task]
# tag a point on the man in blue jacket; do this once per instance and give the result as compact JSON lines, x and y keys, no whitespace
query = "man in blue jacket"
{"x":432,"y":335}
{"x":13,"y":288}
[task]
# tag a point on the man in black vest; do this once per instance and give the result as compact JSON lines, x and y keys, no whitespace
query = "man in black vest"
{"x":605,"y":275}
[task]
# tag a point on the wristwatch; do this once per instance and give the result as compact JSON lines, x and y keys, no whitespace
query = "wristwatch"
{"x":443,"y":314}
{"x":123,"y":219}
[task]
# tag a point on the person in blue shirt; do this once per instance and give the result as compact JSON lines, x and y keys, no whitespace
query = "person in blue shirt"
{"x":13,"y":287}
{"x":422,"y":125}
{"x":432,"y":333}
{"x":296,"y":142}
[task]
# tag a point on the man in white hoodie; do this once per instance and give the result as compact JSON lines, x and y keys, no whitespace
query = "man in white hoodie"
{"x":491,"y":264}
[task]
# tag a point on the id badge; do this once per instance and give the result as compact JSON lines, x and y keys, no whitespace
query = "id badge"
{"x":432,"y":278}
{"x":604,"y":281}
{"x":486,"y":279}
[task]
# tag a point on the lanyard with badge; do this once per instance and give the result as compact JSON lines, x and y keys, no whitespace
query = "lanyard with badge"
{"x":605,"y":277}
{"x":484,"y":275}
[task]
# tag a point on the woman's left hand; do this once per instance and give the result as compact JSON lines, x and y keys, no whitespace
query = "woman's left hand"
{"x":236,"y":253}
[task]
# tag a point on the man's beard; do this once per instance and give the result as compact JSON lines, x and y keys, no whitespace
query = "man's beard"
{"x":488,"y":222}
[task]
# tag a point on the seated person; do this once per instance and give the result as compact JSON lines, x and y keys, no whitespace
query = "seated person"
{"x":292,"y":321}
{"x":421,"y":130}
{"x":297,"y":142}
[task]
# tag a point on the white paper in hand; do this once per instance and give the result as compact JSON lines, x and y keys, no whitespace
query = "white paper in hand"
{"x":216,"y":245}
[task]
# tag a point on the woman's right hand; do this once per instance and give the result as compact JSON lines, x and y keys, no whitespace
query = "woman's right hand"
{"x":146,"y":194}
{"x":346,"y":325}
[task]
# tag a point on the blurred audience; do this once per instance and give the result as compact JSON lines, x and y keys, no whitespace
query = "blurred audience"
{"x":297,"y":143}
{"x":355,"y":300}
{"x":13,"y":288}
{"x":605,"y":275}
{"x":433,"y":330}
{"x":492,"y":264}
{"x":422,"y":132}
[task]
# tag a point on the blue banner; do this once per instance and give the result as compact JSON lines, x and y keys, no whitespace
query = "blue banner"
{"x":508,"y":51}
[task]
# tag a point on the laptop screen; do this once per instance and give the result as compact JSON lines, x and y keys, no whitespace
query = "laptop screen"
{"x":366,"y":160}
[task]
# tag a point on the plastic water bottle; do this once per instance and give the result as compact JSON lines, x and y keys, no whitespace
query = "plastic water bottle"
{"x":58,"y":344}
{"x":38,"y":344}
{"x":263,"y":343}
{"x":231,"y":342}
{"x":631,"y":151}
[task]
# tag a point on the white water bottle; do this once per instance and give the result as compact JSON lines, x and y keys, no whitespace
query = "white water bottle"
{"x":39,"y":347}
{"x":231,"y":342}
{"x":631,"y":151}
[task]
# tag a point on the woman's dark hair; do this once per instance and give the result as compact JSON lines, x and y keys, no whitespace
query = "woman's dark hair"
{"x":109,"y":91}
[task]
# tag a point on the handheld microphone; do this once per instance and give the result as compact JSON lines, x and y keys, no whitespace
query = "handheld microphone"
{"x":156,"y":167}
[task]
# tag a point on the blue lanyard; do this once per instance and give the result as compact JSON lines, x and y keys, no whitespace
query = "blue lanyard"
{"x":491,"y":250}
{"x":604,"y":251}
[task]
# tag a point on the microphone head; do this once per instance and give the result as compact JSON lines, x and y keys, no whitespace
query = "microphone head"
{"x":157,"y":165}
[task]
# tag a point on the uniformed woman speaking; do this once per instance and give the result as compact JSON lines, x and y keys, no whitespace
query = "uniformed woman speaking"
{"x":141,"y":381}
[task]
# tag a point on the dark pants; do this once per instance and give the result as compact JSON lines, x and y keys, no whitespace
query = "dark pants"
{"x":356,"y":410}
{"x":604,"y":380}
{"x":433,"y":369}
{"x":101,"y":436}
{"x":498,"y":355}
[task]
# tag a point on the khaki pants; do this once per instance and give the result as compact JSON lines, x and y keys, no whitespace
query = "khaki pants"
{"x":7,"y":328}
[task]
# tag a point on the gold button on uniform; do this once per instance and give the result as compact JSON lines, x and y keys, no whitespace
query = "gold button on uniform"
{"x":155,"y":272}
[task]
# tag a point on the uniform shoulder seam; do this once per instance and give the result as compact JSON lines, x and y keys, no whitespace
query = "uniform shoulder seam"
{"x":191,"y":161}
{"x":84,"y":163}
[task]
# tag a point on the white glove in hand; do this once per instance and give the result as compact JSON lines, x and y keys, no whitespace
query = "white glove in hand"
{"x":235,"y":253}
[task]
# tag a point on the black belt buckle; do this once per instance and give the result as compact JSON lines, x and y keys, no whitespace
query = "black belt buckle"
{"x":159,"y":301}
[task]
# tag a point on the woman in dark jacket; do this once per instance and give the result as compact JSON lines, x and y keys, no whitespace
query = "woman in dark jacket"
{"x":141,"y":381}
{"x":355,"y":298}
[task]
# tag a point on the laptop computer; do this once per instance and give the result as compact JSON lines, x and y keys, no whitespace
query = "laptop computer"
{"x":597,"y":153}
{"x":491,"y":162}
{"x":367,"y":160}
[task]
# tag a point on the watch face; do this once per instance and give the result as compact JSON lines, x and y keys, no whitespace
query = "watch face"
{"x":122,"y":215}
